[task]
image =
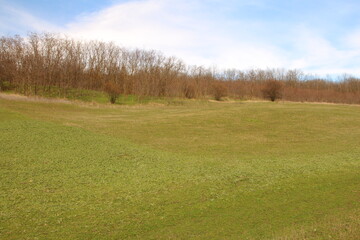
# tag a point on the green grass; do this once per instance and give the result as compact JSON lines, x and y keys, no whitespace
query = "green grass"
{"x":179,"y":170}
{"x":94,"y":96}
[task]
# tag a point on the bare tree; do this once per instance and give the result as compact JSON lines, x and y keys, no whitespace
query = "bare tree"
{"x":47,"y":62}
{"x":272,"y":90}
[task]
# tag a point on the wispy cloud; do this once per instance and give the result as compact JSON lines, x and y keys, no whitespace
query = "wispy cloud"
{"x":17,"y":21}
{"x":313,"y":52}
{"x":185,"y":29}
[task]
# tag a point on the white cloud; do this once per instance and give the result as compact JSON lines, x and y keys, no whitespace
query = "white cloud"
{"x":353,"y":40}
{"x":318,"y":55}
{"x":180,"y":28}
{"x":135,"y":24}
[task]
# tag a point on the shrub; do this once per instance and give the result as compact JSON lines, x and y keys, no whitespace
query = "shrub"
{"x":219,"y":90}
{"x":113,"y":90}
{"x":272,"y":90}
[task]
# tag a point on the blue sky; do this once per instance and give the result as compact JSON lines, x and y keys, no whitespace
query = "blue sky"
{"x":320,"y":37}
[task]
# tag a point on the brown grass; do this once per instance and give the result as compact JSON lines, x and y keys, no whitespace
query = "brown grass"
{"x":18,"y":97}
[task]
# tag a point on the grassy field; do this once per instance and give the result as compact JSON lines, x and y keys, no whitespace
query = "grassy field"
{"x":179,"y":170}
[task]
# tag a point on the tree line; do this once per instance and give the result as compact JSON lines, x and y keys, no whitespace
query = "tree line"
{"x":45,"y":62}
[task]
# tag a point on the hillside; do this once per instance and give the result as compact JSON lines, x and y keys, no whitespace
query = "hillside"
{"x":186,"y":169}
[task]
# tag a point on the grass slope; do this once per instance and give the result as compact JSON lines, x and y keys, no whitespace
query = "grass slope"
{"x":196,"y":170}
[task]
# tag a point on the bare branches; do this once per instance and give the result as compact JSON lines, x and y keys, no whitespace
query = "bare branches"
{"x":46,"y":62}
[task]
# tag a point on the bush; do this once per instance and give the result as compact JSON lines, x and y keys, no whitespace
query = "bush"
{"x":113,"y":90}
{"x":272,"y":90}
{"x":219,"y":90}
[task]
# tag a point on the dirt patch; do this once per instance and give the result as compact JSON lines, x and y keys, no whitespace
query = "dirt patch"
{"x":225,"y":101}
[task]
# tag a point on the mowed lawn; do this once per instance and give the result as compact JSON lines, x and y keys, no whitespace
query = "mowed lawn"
{"x":179,"y":170}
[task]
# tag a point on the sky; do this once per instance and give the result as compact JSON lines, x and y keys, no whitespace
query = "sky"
{"x":316,"y":36}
